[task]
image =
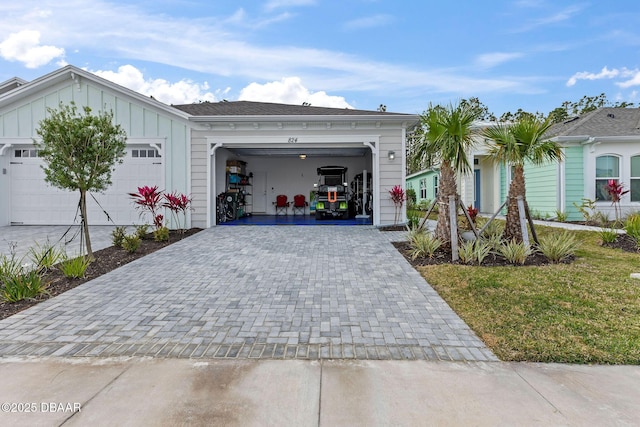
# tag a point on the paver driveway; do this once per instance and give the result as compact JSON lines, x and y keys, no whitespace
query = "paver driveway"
{"x":253,"y":292}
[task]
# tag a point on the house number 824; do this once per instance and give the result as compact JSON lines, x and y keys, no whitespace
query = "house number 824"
{"x":293,"y":140}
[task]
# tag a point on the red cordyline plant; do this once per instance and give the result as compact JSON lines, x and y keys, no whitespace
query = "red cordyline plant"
{"x":615,"y":190}
{"x":398,"y":196}
{"x":178,"y":203}
{"x":473,"y":213}
{"x":148,"y":199}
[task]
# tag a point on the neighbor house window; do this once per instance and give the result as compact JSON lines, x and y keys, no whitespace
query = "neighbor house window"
{"x":607,"y":167}
{"x":423,"y":188}
{"x":435,"y":186}
{"x":635,"y":179}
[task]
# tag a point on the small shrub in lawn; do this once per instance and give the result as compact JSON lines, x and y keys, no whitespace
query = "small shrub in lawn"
{"x":514,"y":252}
{"x":608,"y":235}
{"x":425,"y":244}
{"x":557,"y":247}
{"x":46,"y":256}
{"x":117,"y":236}
{"x":22,"y":286}
{"x":75,"y":268}
{"x":142,"y":230}
{"x":632,"y":226}
{"x":131,"y":243}
{"x":161,"y":234}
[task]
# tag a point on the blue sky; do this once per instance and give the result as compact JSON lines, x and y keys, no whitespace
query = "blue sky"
{"x":529,"y":54}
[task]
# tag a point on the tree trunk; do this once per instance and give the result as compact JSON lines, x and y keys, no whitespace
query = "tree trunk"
{"x":512,"y":228}
{"x":447,"y":187}
{"x":85,"y":223}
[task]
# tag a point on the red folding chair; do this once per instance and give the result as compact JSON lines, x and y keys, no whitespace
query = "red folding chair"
{"x":281,"y":204}
{"x":299,"y":204}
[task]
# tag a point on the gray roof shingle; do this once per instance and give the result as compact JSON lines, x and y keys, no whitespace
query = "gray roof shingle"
{"x":600,"y":123}
{"x":250,"y":108}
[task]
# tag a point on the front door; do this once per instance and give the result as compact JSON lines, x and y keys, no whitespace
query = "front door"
{"x":259,"y":192}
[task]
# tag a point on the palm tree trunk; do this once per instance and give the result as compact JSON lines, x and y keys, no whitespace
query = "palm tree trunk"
{"x":446,"y":188}
{"x":512,"y":229}
{"x":85,"y":223}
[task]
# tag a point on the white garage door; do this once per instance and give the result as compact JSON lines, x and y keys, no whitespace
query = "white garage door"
{"x":34,"y":202}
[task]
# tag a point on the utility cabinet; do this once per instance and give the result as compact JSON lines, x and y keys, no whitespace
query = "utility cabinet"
{"x":238,"y":188}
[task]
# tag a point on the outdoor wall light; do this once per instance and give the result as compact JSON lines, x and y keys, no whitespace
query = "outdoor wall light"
{"x":391,"y":155}
{"x":302,"y":156}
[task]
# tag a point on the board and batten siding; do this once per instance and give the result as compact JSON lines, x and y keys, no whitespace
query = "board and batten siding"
{"x":142,"y":122}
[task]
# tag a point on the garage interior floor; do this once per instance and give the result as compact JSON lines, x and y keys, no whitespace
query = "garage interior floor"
{"x":295,"y":220}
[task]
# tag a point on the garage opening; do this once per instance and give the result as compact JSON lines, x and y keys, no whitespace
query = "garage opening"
{"x":283,"y":186}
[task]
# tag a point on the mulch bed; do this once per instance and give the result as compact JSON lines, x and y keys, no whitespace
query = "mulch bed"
{"x":106,"y":260}
{"x":624,"y":242}
{"x":492,"y":260}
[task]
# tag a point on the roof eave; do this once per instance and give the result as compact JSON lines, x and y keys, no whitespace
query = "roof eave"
{"x":411,"y":118}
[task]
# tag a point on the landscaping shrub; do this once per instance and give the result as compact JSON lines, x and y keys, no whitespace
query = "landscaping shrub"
{"x":75,"y":268}
{"x":413,"y":218}
{"x":117,"y":236}
{"x":514,"y":252}
{"x":46,"y":256}
{"x":161,"y":234}
{"x":26,"y":284}
{"x":131,"y":243}
{"x":561,"y":216}
{"x":142,"y":230}
{"x":632,"y":226}
{"x":557,"y":247}
{"x":424,"y":244}
{"x":608,"y":235}
{"x":474,"y":251}
{"x":10,"y":265}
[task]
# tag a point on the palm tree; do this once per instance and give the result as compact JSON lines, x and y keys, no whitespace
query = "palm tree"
{"x":513,"y":145}
{"x":448,"y":137}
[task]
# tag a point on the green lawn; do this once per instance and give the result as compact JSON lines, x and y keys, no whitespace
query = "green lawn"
{"x":584,"y":312}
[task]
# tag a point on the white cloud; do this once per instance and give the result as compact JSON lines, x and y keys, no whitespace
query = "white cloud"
{"x":606,"y":73}
{"x":25,"y":47}
{"x":290,"y":90}
{"x":633,"y":81}
{"x":490,"y":60}
{"x":368,"y":22}
{"x":275,"y":4}
{"x":181,"y":92}
{"x":564,"y":15}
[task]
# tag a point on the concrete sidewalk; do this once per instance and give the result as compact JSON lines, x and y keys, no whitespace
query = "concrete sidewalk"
{"x":167,"y":392}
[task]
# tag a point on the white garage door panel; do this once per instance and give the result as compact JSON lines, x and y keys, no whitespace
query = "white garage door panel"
{"x":35,"y":202}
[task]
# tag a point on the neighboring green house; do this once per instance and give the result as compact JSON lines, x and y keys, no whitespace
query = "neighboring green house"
{"x":601,"y":145}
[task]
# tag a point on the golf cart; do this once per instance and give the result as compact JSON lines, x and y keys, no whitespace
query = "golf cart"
{"x":332,"y":193}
